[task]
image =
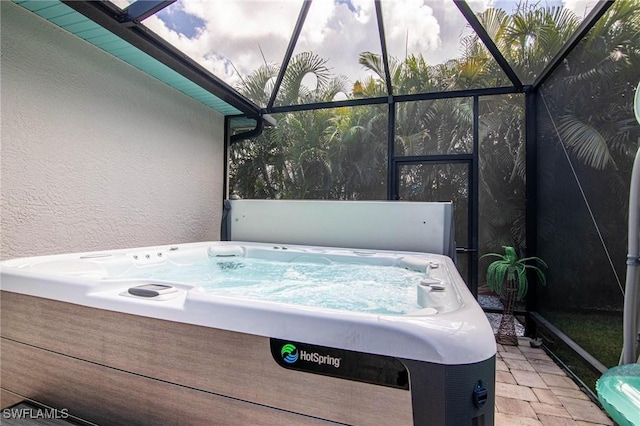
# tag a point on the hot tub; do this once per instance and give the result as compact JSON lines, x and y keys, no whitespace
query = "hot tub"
{"x":194,"y":350}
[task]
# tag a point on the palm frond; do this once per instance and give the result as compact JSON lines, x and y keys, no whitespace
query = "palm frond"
{"x":494,"y":21}
{"x":257,"y":85}
{"x":585,"y":142}
{"x":372,"y":62}
{"x":509,"y":267}
{"x":299,"y":67}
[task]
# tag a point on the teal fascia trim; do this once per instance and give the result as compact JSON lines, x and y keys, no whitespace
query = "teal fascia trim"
{"x":63,"y":16}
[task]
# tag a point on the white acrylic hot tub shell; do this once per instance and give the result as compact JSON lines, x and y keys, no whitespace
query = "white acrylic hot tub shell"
{"x":461,"y":336}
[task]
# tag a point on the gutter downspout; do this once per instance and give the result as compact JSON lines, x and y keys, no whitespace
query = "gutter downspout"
{"x":257,"y":131}
{"x":225,"y":231}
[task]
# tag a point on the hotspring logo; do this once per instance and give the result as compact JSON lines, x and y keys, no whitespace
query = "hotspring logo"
{"x":290,"y":355}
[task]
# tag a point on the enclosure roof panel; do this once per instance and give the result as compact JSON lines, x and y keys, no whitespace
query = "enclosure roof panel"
{"x":326,"y":63}
{"x":530,"y":34}
{"x":432,"y":48}
{"x":231,"y":39}
{"x":250,"y":57}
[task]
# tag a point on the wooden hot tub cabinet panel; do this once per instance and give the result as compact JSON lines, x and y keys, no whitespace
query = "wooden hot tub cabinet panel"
{"x":217,"y":364}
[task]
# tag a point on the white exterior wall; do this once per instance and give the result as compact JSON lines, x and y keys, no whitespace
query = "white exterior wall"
{"x":96,"y":154}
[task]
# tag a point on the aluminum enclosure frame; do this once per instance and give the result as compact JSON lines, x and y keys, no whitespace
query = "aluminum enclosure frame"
{"x":110,"y":16}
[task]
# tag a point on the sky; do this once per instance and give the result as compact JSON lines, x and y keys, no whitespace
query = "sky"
{"x":231,"y":38}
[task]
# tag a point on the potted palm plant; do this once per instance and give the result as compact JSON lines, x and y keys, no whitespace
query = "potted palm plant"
{"x":507,"y":277}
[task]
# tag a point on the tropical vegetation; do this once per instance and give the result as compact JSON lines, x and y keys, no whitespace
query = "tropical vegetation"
{"x":587,"y":104}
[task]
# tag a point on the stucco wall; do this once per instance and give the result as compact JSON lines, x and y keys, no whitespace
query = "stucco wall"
{"x":95,"y":154}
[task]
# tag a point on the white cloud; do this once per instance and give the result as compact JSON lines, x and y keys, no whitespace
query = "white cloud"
{"x":237,"y":31}
{"x":412,"y":24}
{"x":339,"y":35}
{"x":580,"y":7}
{"x":122,"y":3}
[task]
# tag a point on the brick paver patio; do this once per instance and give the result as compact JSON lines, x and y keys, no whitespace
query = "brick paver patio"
{"x":531,"y":390}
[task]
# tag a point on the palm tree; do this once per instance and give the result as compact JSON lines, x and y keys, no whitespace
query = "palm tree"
{"x":531,"y":36}
{"x":357,"y":137}
{"x":507,"y":277}
{"x":334,"y":153}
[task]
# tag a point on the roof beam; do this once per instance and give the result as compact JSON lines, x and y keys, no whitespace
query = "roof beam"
{"x":582,"y":30}
{"x":383,"y":46}
{"x":105,"y":14}
{"x":287,"y":56}
{"x":490,"y":91}
{"x":142,"y":9}
{"x":472,"y":19}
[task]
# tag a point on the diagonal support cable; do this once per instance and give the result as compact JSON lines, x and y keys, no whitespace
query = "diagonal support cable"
{"x":584,"y":196}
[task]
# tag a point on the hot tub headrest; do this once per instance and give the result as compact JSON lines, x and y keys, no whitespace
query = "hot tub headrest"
{"x":376,"y":225}
{"x":225,"y":251}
